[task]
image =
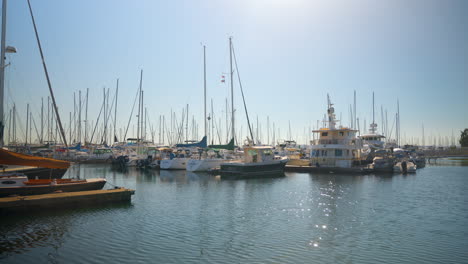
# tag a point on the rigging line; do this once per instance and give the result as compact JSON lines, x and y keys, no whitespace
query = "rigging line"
{"x":131,"y":113}
{"x":109,"y":116}
{"x":97,"y":122}
{"x":242,"y":92}
{"x":62,"y":133}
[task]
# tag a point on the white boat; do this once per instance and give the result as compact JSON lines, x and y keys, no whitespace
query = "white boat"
{"x":336,"y":147}
{"x":174,"y":164}
{"x":404,"y":167}
{"x":208,"y":163}
{"x":211,"y":159}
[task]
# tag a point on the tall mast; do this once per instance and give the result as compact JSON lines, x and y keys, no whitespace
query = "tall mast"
{"x":143,"y":128}
{"x":42,"y":120}
{"x":105,"y":116}
{"x":27,"y":123}
{"x":204,"y":86}
{"x":373,"y":109}
{"x":212,"y":123}
{"x":423,"y":135}
{"x":232,"y":89}
{"x":139,"y":107}
{"x":354,"y":112}
{"x":79,"y":116}
{"x":86,"y":117}
{"x":115,"y":110}
{"x":2,"y":69}
{"x":62,"y":132}
{"x":398,"y":122}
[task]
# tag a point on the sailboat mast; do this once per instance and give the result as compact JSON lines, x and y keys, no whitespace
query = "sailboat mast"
{"x":232,"y":89}
{"x":204,"y":88}
{"x":79,"y":116}
{"x":27,"y":124}
{"x":354,"y":112}
{"x":373,"y":109}
{"x":62,"y":132}
{"x":86,"y":117}
{"x":42,"y":120}
{"x":2,"y":69}
{"x":139,"y":107}
{"x":115,"y":110}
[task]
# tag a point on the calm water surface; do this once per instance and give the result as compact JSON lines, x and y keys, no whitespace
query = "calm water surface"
{"x":179,"y":217}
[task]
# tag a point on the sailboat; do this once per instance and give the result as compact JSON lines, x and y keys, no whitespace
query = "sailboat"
{"x":179,"y":160}
{"x":372,"y":141}
{"x":257,"y":160}
{"x":211,"y":158}
{"x":17,"y":183}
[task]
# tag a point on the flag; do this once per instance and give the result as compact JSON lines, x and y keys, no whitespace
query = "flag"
{"x":222,"y":78}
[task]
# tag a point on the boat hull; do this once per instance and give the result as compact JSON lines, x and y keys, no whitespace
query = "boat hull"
{"x":43,"y":189}
{"x":250,"y":170}
{"x":39,"y":173}
{"x":206,"y":164}
{"x":173,"y":164}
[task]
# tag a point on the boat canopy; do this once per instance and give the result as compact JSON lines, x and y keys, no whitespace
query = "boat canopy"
{"x":201,"y":144}
{"x":229,"y":146}
{"x":12,"y":158}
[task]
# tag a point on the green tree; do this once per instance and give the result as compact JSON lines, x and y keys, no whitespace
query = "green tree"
{"x":464,"y":138}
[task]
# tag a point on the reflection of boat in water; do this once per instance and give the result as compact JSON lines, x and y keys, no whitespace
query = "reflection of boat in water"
{"x":172,"y":175}
{"x":21,"y":185}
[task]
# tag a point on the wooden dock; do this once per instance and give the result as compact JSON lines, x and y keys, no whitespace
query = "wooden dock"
{"x":65,"y":200}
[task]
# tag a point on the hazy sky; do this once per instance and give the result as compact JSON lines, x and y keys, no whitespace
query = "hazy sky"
{"x":290,"y":54}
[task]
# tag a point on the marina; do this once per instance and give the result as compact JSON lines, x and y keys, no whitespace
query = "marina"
{"x":233,"y":132}
{"x":179,"y":217}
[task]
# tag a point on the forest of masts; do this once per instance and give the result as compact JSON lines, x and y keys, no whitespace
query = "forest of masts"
{"x":40,"y":128}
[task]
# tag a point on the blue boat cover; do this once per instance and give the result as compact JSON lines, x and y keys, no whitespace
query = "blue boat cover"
{"x":201,"y":144}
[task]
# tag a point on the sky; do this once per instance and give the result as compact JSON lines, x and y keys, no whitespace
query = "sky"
{"x":290,"y":55}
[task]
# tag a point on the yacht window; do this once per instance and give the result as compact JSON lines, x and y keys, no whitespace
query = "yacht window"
{"x":324,"y":134}
{"x":341,"y":133}
{"x":338,"y":152}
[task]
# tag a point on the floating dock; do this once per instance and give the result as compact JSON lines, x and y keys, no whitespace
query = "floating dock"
{"x":65,"y":200}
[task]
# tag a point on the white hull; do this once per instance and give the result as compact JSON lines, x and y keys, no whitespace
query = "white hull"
{"x":410,"y":167}
{"x":174,"y":164}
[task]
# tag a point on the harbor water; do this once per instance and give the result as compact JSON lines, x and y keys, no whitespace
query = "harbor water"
{"x":182,"y":217}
